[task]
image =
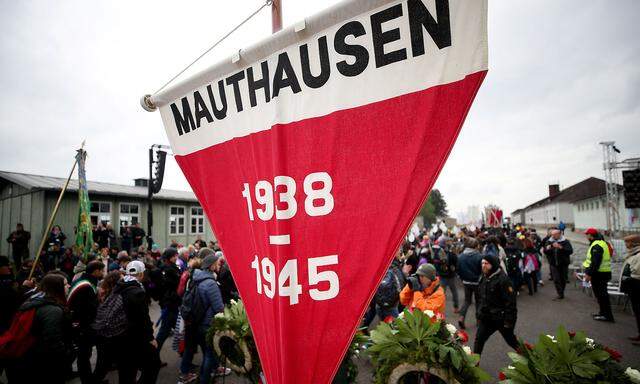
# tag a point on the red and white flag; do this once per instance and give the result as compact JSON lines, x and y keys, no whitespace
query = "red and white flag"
{"x":313,"y":151}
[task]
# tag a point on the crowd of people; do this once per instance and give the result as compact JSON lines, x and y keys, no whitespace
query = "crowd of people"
{"x":73,"y":303}
{"x":67,"y":305}
{"x":494,"y":266}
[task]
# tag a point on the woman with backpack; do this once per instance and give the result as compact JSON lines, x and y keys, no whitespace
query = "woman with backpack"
{"x":106,"y":347}
{"x":530,"y":266}
{"x":43,"y":351}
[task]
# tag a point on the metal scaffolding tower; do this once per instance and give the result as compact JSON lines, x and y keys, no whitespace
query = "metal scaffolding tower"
{"x":611,"y":166}
{"x":609,"y":152}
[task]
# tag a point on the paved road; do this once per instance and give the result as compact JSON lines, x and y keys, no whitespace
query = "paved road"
{"x":537,"y":314}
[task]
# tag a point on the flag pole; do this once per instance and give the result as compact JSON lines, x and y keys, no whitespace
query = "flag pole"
{"x":276,"y":16}
{"x":53,"y":216}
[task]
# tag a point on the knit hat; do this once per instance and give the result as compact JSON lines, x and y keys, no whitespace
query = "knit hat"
{"x":427,"y":270}
{"x":169,"y":253}
{"x":204,"y":252}
{"x":495,"y":263}
{"x":209,"y":261}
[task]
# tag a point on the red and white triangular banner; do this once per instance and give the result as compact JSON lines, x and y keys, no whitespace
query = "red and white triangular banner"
{"x":312,"y":152}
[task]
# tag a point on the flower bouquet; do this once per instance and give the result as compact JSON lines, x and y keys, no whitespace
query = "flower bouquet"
{"x":567,"y":357}
{"x":423,"y":342}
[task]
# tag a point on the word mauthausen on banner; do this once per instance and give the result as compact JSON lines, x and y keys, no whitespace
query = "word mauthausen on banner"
{"x":189,"y":115}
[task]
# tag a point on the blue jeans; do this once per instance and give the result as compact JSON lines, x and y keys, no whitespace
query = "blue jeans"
{"x":168,"y":318}
{"x":194,"y":338}
{"x":450,"y":282}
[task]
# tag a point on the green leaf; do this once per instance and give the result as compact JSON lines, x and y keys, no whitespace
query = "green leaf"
{"x":481,"y":374}
{"x":443,"y":351}
{"x":456,"y":359}
{"x":586,"y":370}
{"x":516,"y":358}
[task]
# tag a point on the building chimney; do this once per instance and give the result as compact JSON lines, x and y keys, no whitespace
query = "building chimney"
{"x":141,"y":182}
{"x":554,"y":189}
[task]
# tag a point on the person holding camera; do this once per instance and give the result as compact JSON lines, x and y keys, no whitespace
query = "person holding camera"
{"x":423,"y":291}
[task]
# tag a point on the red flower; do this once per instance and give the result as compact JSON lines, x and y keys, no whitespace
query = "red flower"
{"x":615,"y":355}
{"x":528,"y":346}
{"x":388,"y":319}
{"x":572,"y":334}
{"x":502,"y":376}
{"x":462,"y":335}
{"x":439,"y":316}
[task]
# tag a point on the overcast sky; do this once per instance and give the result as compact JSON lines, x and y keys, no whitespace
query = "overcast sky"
{"x":563,"y":75}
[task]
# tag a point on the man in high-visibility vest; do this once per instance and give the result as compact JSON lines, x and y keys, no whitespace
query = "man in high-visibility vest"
{"x":598,"y":271}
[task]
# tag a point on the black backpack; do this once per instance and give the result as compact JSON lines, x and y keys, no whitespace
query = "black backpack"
{"x":111,"y":319}
{"x":387,"y":295}
{"x":192,"y":308}
{"x":512,"y":262}
{"x":156,"y":285}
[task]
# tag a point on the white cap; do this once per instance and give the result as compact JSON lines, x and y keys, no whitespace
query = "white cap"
{"x":135,"y":267}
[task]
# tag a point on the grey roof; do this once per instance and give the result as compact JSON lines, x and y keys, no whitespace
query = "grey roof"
{"x":56,"y":183}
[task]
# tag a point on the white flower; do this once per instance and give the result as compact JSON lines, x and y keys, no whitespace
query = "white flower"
{"x":590,"y":343}
{"x":552,"y":338}
{"x":466,"y":349}
{"x":511,"y":367}
{"x":633,"y":374}
{"x":429,"y":313}
{"x":219,"y":315}
{"x":233,"y":302}
{"x":401,"y":315}
{"x":451,"y":328}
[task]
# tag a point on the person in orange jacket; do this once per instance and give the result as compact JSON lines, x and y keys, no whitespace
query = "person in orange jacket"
{"x":423,"y":291}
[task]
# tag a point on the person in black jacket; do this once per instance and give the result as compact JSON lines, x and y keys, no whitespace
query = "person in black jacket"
{"x":137,"y":235}
{"x":19,"y":240}
{"x":558,"y":251}
{"x":446,"y":262}
{"x":45,"y":361}
{"x":170,"y":300}
{"x":138,"y":348}
{"x":9,"y":296}
{"x":101,"y":236}
{"x":469,"y":270}
{"x":497,"y":309}
{"x":228,"y":287}
{"x":83,"y":305}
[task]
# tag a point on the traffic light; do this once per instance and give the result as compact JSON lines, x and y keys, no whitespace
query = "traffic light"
{"x":158,"y":174}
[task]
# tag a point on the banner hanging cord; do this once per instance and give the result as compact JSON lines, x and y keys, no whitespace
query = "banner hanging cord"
{"x":265,"y":4}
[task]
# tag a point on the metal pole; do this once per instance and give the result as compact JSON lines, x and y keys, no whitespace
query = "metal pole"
{"x":150,"y":199}
{"x":276,"y":16}
{"x":52,"y":217}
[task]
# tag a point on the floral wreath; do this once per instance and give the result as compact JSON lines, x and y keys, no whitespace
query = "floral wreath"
{"x":241,"y":345}
{"x":419,"y":341}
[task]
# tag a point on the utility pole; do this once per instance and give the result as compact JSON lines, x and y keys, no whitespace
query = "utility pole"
{"x":276,"y":16}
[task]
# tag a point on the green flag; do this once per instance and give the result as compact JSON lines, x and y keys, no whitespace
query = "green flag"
{"x":84,"y":236}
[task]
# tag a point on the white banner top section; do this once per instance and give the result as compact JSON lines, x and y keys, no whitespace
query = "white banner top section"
{"x":353,"y":54}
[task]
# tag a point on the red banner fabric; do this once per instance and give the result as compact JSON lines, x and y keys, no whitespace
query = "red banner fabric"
{"x":310,"y":185}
